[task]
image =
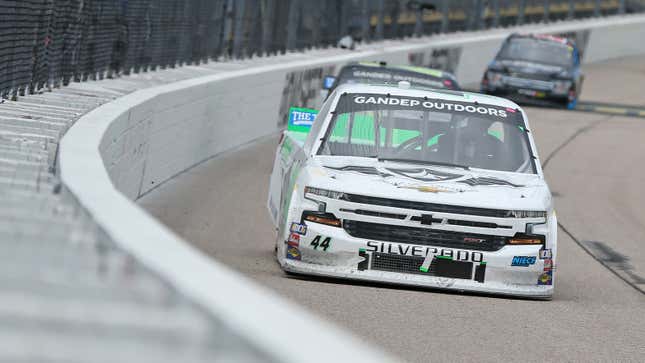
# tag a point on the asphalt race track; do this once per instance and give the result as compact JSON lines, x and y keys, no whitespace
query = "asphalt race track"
{"x":594,"y":163}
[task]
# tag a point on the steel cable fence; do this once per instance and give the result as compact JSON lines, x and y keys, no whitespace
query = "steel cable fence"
{"x":49,"y":43}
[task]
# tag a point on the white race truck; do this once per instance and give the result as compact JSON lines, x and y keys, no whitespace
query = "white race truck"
{"x":429,"y":188}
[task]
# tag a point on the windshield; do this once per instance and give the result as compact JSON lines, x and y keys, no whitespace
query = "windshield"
{"x":538,"y":51}
{"x":371,"y":75}
{"x":429,"y":131}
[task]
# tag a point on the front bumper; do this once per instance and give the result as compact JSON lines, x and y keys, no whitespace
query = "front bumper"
{"x":527,"y":90}
{"x":525,"y":94}
{"x":479,"y":271}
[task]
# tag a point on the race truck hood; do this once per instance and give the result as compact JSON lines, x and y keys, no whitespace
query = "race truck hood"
{"x":432,"y":184}
{"x":523,"y":67}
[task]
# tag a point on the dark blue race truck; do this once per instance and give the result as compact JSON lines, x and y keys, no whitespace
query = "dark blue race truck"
{"x":535,"y":68}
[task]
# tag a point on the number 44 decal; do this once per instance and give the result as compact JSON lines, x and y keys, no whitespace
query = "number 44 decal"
{"x":324,"y":245}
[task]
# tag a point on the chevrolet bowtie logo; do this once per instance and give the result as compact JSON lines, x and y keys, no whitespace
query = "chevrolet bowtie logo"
{"x":426,"y":188}
{"x":427,"y":219}
{"x":473,"y":240}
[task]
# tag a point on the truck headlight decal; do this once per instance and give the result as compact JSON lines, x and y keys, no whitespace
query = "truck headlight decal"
{"x":324,"y":193}
{"x":322,"y":218}
{"x":526,"y":214}
{"x":523,"y":239}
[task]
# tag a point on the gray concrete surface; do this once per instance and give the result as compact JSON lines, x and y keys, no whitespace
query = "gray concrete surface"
{"x":595,"y":314}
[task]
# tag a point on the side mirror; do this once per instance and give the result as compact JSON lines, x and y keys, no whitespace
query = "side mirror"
{"x":328,"y":82}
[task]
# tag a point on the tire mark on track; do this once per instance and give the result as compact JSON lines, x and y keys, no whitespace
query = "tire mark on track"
{"x":603,"y":263}
{"x":571,"y":138}
{"x":562,"y":227}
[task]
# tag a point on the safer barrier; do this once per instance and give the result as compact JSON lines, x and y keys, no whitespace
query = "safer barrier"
{"x":123,"y":149}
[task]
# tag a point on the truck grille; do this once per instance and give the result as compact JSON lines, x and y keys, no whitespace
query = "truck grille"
{"x":529,"y":83}
{"x":423,"y":236}
{"x":532,"y":76}
{"x":430,"y":207}
{"x":398,"y":263}
{"x":411,"y":265}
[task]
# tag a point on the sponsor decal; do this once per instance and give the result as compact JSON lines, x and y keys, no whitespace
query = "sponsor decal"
{"x":523,"y":261}
{"x":546,"y":253}
{"x":424,"y":251}
{"x":299,"y":116}
{"x":298,"y":228}
{"x":366,"y":74}
{"x":530,"y":92}
{"x":546,"y":278}
{"x":293,"y":253}
{"x":321,"y":242}
{"x":294,"y":240}
{"x":429,"y":104}
{"x":548,"y":265}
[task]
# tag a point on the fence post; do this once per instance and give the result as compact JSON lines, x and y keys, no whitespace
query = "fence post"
{"x":228,"y":28}
{"x":418,"y":24}
{"x":621,"y":7}
{"x":547,"y":10}
{"x":49,"y":43}
{"x":266,"y":13}
{"x":365,"y":23}
{"x":343,"y":28}
{"x":315,"y":10}
{"x":596,"y":8}
{"x":496,"y":11}
{"x":292,"y":25}
{"x":470,"y":15}
{"x":445,"y":15}
{"x":479,"y":14}
{"x":239,"y":26}
{"x":520,"y":12}
{"x":380,"y":20}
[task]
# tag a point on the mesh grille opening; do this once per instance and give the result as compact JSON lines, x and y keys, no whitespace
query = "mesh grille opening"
{"x":423,"y":236}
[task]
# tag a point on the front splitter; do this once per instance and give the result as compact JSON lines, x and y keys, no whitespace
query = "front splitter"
{"x":543,"y":292}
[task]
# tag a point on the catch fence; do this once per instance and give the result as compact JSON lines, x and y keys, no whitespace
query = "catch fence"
{"x":49,"y":43}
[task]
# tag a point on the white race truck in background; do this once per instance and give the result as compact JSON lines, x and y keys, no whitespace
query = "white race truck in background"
{"x":419,"y":187}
